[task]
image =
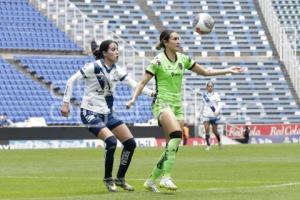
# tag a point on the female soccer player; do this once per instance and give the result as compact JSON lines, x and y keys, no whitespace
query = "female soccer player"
{"x":168,"y":68}
{"x":210,"y":111}
{"x":100,"y":79}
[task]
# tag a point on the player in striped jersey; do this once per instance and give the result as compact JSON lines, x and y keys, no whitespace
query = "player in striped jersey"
{"x":210,"y":111}
{"x":100,"y":79}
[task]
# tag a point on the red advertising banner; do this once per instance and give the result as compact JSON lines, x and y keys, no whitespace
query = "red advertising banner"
{"x":237,"y":130}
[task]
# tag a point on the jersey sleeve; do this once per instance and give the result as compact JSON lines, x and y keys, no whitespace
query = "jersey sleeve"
{"x":152,"y":68}
{"x":88,"y":70}
{"x":120,"y":73}
{"x":69,"y":86}
{"x":188,"y":62}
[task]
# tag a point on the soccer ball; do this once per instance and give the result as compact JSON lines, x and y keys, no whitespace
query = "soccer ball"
{"x":203,"y":23}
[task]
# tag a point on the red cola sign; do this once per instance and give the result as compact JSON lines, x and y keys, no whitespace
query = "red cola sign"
{"x":237,"y":130}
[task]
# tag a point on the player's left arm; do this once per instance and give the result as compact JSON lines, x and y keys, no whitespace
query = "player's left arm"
{"x":138,"y":89}
{"x":202,"y":109}
{"x":201,"y":70}
{"x":219,"y":105}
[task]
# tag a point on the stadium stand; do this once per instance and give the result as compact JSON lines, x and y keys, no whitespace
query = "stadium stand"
{"x":23,"y":27}
{"x":261,"y":95}
{"x":57,"y":70}
{"x":53,"y":70}
{"x":124,"y":18}
{"x":237,"y":32}
{"x":288,"y":12}
{"x":22,"y":98}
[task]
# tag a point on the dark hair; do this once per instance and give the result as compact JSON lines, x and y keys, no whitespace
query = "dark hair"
{"x":165,"y":35}
{"x":210,"y":82}
{"x":98,"y":51}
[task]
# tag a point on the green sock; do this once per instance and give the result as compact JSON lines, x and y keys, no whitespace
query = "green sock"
{"x":158,"y":169}
{"x":171,"y":150}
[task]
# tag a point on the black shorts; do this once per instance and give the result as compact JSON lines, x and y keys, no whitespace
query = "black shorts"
{"x":96,"y":121}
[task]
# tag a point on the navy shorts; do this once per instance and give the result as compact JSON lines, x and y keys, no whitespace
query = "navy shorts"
{"x":96,"y":121}
{"x":211,"y":120}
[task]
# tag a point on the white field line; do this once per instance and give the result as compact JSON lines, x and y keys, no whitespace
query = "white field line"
{"x":262,"y":187}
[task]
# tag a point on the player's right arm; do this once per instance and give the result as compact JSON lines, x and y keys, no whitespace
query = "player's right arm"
{"x":139,"y":88}
{"x":65,"y":111}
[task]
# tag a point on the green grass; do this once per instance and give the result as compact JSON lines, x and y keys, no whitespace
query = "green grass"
{"x":244,"y":172}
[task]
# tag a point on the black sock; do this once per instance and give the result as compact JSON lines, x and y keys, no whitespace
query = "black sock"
{"x":110,"y":148}
{"x":207,"y":136}
{"x":218,"y":138}
{"x":127,"y":153}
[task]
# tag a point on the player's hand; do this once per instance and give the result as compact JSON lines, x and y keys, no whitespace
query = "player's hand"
{"x":65,"y":111}
{"x":216,"y":113}
{"x":236,"y":70}
{"x":129,"y":104}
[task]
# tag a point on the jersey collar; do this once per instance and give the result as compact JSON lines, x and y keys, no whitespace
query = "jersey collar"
{"x":108,"y":70}
{"x":169,"y":58}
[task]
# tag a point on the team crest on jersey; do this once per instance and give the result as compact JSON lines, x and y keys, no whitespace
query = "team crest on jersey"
{"x":156,"y":61}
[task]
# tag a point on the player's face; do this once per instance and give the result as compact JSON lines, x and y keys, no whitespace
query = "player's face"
{"x":210,"y":87}
{"x":173,"y":43}
{"x":112,"y":54}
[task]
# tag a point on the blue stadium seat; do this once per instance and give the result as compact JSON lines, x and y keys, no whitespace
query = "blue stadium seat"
{"x":23,"y":27}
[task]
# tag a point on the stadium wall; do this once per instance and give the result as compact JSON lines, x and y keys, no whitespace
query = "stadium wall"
{"x":77,"y":137}
{"x":69,"y":133}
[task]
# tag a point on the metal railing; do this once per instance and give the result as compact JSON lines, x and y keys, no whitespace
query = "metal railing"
{"x":287,"y":54}
{"x":82,"y":30}
{"x":66,"y":16}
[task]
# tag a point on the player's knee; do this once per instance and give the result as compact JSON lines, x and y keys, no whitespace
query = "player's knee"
{"x":130,"y":144}
{"x":176,"y":134}
{"x":111,"y":143}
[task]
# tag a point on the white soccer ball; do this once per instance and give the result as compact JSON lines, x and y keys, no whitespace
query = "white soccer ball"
{"x":203,"y":23}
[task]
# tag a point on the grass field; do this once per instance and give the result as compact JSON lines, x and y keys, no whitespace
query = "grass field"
{"x":236,"y":172}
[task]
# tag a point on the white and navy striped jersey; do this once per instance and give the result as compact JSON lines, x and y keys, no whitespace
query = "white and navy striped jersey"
{"x":100,"y":83}
{"x":211,"y":104}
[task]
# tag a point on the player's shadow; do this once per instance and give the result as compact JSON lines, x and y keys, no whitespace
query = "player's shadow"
{"x":167,"y":192}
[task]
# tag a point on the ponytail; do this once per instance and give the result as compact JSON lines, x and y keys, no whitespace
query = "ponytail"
{"x":98,"y":50}
{"x":95,"y":50}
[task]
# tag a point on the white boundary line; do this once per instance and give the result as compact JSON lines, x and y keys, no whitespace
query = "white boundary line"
{"x":180,"y":190}
{"x":251,"y":188}
{"x":183,"y":180}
